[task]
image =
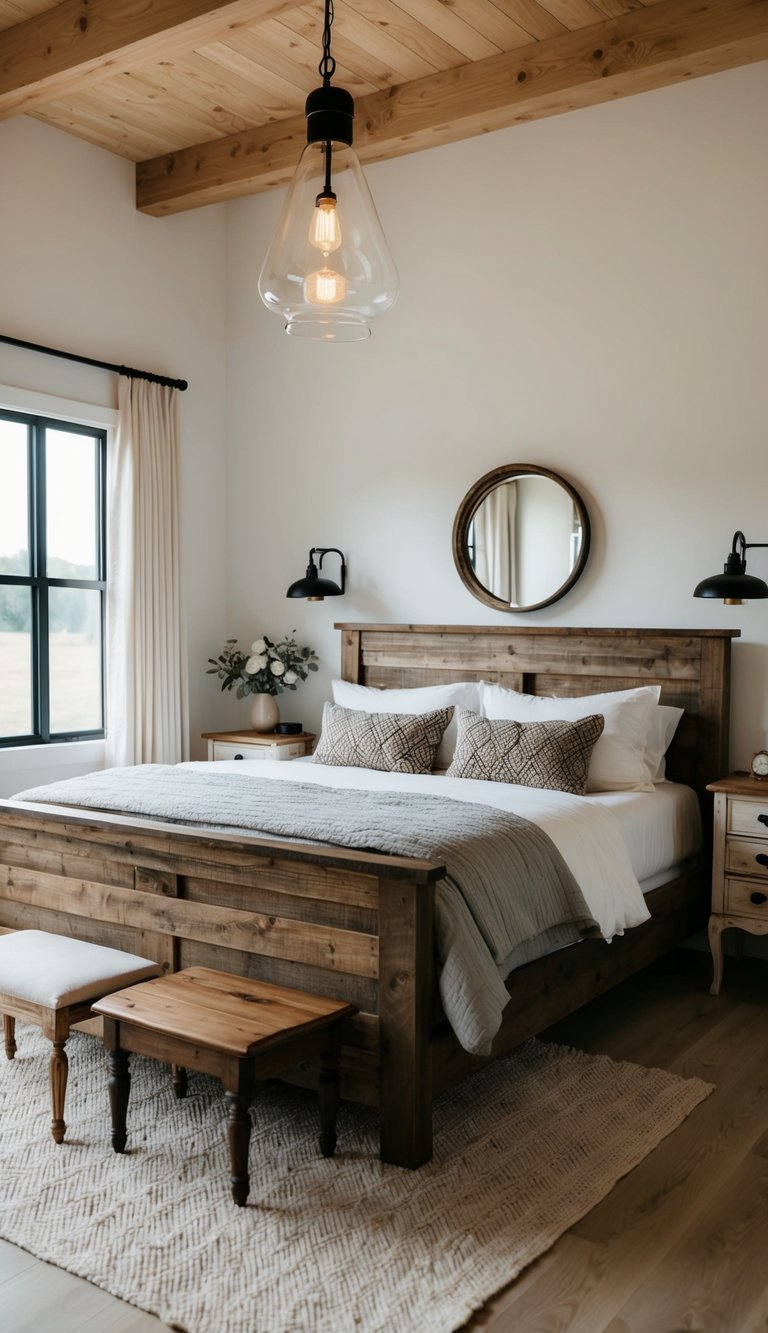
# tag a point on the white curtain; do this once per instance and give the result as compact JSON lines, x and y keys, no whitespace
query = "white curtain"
{"x":147,"y":706}
{"x":494,"y":532}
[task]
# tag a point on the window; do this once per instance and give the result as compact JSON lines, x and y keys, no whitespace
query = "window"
{"x":52,"y":579}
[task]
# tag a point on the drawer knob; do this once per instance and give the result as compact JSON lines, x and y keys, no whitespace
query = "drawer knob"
{"x":762,"y":859}
{"x":762,"y":819}
{"x":758,"y":898}
{"x":238,"y":756}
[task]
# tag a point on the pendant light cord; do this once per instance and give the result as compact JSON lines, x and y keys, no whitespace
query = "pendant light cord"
{"x":327,"y":69}
{"x":327,"y":66}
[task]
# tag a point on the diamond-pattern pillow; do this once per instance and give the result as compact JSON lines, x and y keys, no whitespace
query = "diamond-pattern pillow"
{"x":390,"y":742}
{"x":553,"y":755}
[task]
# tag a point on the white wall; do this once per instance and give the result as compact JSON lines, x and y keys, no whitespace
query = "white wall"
{"x":589,"y":292}
{"x":82,"y":270}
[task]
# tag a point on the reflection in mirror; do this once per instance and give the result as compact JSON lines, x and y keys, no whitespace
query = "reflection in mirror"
{"x":521,"y":538}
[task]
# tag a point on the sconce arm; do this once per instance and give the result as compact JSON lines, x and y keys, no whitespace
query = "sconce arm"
{"x":737,"y":562}
{"x":322,"y":552}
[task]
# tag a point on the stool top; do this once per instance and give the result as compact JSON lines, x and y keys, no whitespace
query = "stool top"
{"x":222,"y":1011}
{"x":56,"y":971}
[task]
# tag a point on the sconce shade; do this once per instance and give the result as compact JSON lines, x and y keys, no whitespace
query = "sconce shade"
{"x":313,"y":586}
{"x":734,"y":585}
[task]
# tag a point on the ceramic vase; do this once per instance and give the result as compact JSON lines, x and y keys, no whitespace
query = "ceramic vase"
{"x":265,"y":713}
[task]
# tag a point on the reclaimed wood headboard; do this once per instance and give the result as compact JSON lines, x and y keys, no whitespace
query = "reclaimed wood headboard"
{"x":691,"y":666}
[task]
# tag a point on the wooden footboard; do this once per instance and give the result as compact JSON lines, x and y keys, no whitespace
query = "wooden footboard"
{"x":355,"y":926}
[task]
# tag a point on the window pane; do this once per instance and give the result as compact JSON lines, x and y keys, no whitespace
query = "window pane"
{"x":74,"y":645}
{"x":15,"y":661}
{"x":14,"y":504}
{"x":71,"y":505}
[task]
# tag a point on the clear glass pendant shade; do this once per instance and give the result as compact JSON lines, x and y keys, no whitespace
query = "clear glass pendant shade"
{"x":328,"y":271}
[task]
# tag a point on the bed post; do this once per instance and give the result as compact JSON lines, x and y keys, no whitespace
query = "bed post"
{"x":406,"y":980}
{"x":351,"y":654}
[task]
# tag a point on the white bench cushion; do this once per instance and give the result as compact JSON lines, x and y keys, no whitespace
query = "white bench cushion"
{"x":55,"y":971}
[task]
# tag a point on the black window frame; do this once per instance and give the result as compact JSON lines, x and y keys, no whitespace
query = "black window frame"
{"x":39,"y":582}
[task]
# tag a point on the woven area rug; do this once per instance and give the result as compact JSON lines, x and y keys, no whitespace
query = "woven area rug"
{"x":345,"y":1245}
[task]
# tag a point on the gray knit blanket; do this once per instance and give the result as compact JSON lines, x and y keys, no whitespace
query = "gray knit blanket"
{"x":506,"y":882}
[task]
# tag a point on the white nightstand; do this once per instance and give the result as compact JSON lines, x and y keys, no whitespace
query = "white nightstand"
{"x":254,"y":745}
{"x":739,"y":862}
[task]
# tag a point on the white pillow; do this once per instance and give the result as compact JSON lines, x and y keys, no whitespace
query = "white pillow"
{"x":662,"y":726}
{"x":421,"y":699}
{"x":618,"y":759}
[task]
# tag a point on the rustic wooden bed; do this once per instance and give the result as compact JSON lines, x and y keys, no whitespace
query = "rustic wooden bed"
{"x":360,"y":926}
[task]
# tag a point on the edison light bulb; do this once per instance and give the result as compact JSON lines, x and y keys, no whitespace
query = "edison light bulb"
{"x":324,"y":287}
{"x":324,"y":229}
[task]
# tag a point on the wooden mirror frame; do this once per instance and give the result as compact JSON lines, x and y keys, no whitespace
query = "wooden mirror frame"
{"x":469,"y":505}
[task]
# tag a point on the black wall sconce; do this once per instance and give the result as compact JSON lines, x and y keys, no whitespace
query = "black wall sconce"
{"x":734,"y":585}
{"x":313,"y":586}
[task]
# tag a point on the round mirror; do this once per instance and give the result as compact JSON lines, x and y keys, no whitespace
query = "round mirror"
{"x":520,"y":538}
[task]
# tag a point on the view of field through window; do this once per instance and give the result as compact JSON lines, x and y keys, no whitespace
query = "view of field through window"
{"x":74,"y":619}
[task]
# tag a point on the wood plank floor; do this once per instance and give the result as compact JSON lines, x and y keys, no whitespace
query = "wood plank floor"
{"x":678,"y":1245}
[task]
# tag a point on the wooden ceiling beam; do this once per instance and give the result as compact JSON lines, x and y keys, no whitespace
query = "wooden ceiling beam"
{"x":82,"y":42}
{"x":639,"y":51}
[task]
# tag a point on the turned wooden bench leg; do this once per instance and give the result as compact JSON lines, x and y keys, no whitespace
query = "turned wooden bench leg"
{"x":179,"y":1081}
{"x":59,"y":1071}
{"x":9,"y":1035}
{"x":239,"y":1133}
{"x":119,"y":1085}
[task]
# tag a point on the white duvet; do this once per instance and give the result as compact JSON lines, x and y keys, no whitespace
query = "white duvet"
{"x":586,"y":834}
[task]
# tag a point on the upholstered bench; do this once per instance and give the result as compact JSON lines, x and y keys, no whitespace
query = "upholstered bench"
{"x":236,"y":1028}
{"x":51,"y":981}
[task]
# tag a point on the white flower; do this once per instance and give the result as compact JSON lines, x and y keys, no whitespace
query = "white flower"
{"x":276,"y":668}
{"x":291,"y":678}
{"x":259,"y":647}
{"x":254,"y":664}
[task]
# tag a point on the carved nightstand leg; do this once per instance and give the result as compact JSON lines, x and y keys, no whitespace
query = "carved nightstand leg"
{"x":716,"y":928}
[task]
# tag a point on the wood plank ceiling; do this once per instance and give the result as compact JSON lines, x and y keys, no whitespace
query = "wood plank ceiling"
{"x":208,"y":98}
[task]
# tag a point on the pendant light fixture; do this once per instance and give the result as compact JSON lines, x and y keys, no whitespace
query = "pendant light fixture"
{"x":328,"y":271}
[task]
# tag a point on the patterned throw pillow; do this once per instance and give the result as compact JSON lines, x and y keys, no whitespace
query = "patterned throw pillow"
{"x":554,"y":755}
{"x":391,"y":742}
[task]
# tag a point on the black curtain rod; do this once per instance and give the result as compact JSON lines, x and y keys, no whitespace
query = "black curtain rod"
{"x":102,"y":365}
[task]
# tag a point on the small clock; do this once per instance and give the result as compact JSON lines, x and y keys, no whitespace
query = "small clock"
{"x":759,"y":765}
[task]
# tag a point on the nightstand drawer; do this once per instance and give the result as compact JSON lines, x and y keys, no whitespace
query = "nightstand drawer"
{"x":750,"y":817}
{"x":253,"y":753}
{"x":744,"y":897}
{"x":747,"y":856}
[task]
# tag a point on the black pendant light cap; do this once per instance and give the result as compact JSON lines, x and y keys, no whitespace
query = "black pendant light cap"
{"x":330,"y":113}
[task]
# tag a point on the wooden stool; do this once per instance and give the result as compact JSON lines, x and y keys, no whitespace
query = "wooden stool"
{"x":235,"y":1028}
{"x":51,"y":980}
